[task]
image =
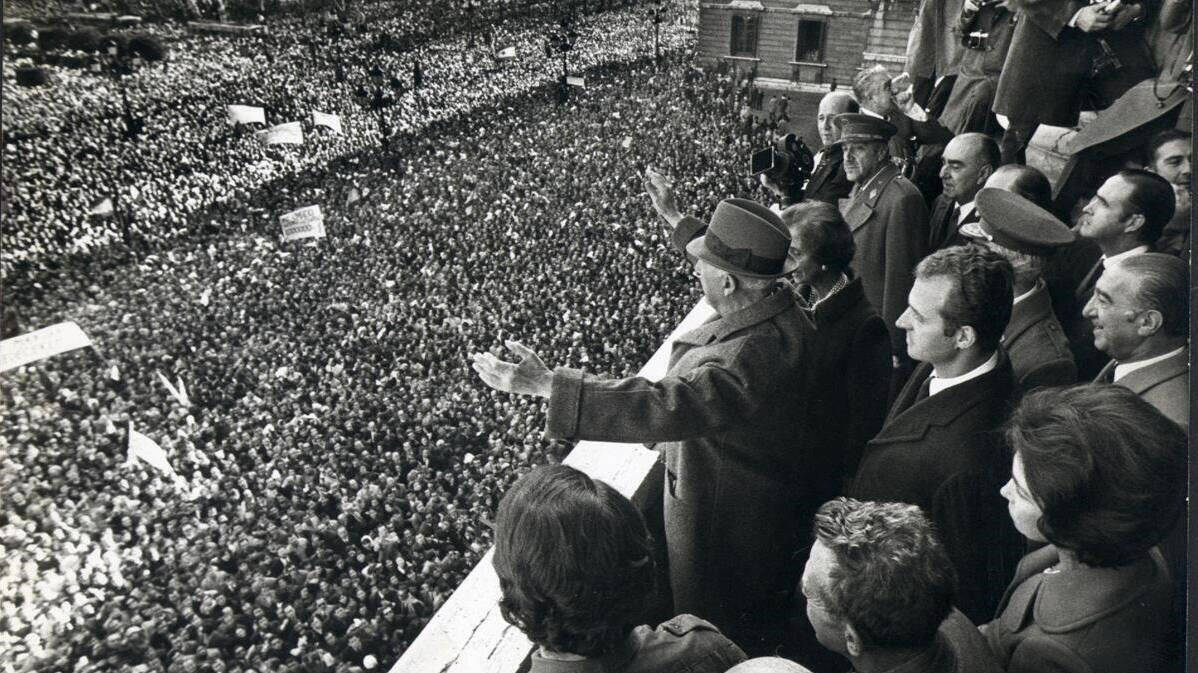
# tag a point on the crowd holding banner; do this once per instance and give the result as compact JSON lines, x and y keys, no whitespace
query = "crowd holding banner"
{"x":339,"y":459}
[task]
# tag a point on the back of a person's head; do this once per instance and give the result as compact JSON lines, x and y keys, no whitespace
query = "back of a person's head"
{"x":1150,"y":196}
{"x":1162,"y":285}
{"x":892,"y":580}
{"x":574,"y":561}
{"x":768,"y":665}
{"x":1106,"y":468}
{"x":982,"y":294}
{"x":1026,"y":181}
{"x":822,"y":232}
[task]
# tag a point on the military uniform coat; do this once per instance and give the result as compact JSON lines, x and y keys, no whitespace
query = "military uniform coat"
{"x":945,"y":454}
{"x":728,"y":422}
{"x":1089,"y":620}
{"x":1165,"y":385}
{"x":1036,"y":344}
{"x":889,"y":221}
{"x":685,"y":644}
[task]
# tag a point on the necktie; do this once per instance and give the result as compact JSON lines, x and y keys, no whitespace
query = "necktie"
{"x":956,"y":216}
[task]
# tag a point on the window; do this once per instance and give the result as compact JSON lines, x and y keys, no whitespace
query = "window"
{"x":809,"y":48}
{"x":744,"y":36}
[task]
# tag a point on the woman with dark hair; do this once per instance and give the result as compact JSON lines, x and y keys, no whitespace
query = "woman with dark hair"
{"x":854,"y":350}
{"x":1099,"y":475}
{"x":575,"y":566}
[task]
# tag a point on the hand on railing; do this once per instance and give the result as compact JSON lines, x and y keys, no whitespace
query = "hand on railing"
{"x":530,"y":376}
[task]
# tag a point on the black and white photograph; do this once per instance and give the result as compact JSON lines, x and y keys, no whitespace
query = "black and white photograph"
{"x":596,"y":336}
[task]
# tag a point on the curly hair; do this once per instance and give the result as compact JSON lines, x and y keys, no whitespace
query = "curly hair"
{"x":1106,"y":468}
{"x":982,"y":294}
{"x":892,"y":580}
{"x":574,"y":561}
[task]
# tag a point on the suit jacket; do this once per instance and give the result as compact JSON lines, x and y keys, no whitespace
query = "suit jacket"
{"x":943,"y":231}
{"x":828,"y":182}
{"x":852,"y":350}
{"x":729,"y":418}
{"x":944,"y":454}
{"x":889,"y":222}
{"x":1048,"y":65}
{"x":1165,"y":385}
{"x":1037,"y":345}
{"x":1071,"y":276}
{"x":1091,"y":620}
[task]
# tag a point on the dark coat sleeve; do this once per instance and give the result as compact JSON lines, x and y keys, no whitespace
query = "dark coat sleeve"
{"x":906,"y":236}
{"x":1054,"y":373}
{"x":868,"y":379}
{"x":965,"y":510}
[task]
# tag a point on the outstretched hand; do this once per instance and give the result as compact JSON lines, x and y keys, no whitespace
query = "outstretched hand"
{"x":661,"y":193}
{"x":529,"y":376}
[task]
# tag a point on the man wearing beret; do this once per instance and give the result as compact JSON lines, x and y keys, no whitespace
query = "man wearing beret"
{"x":726,"y":418}
{"x":889,"y":220}
{"x":1027,"y":236}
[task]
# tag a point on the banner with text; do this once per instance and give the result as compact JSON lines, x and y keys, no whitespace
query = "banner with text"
{"x":41,"y":344}
{"x":307,"y":222}
{"x":326,"y":120}
{"x":245,"y":114}
{"x":289,"y":133}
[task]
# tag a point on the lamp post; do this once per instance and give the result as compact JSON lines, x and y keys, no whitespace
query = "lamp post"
{"x":656,"y":14}
{"x":118,"y":63}
{"x":379,"y":100}
{"x":562,"y":40}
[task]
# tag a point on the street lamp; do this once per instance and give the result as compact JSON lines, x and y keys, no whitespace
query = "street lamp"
{"x":656,"y":14}
{"x":562,"y":40}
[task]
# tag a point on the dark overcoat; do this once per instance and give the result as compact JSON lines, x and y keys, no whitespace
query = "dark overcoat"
{"x":1048,"y":65}
{"x":945,"y":454}
{"x":1037,"y":345}
{"x":1091,"y":620}
{"x":828,"y":182}
{"x":889,"y":220}
{"x":943,"y":229}
{"x":728,"y":422}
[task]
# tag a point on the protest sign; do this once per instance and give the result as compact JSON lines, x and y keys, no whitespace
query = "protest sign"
{"x":101,"y":209}
{"x":289,"y":133}
{"x":504,"y":54}
{"x":41,"y":344}
{"x":326,"y":120}
{"x":576,"y":81}
{"x":245,"y":114}
{"x":306,"y":222}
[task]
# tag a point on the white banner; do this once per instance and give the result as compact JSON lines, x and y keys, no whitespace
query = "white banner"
{"x":41,"y":344}
{"x":306,"y":222}
{"x":245,"y":114}
{"x":504,"y":54}
{"x":576,"y":81}
{"x":102,"y":208}
{"x":326,"y":120}
{"x":146,"y":449}
{"x":290,"y":133}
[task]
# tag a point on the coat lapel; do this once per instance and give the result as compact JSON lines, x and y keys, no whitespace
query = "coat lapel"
{"x":1143,"y":380}
{"x":912,"y":423}
{"x":866,"y":196}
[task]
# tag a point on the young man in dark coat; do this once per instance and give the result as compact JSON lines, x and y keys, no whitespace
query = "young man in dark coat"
{"x":727,"y":419}
{"x":938,"y":448}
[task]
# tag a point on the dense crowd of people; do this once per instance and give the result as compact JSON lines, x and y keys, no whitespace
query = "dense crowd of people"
{"x":339,"y":462}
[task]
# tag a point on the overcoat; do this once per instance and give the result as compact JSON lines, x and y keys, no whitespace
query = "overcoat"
{"x":1165,"y":385}
{"x":1091,"y":620}
{"x":1037,"y":345}
{"x":728,"y":423}
{"x":889,"y":220}
{"x":945,"y":454}
{"x":943,"y":231}
{"x":1049,"y":64}
{"x":828,"y":182}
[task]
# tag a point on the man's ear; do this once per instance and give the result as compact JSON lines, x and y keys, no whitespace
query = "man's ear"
{"x":1149,"y":322}
{"x":852,"y":641}
{"x":967,"y":336}
{"x":727,"y":283}
{"x":1134,"y":223}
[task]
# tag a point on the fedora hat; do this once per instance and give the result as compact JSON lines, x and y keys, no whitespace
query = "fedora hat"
{"x":745,"y":238}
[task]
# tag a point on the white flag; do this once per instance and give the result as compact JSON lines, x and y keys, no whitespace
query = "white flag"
{"x":40,"y":344}
{"x":146,"y":449}
{"x":506,"y":53}
{"x":327,"y":120}
{"x":183,"y":394}
{"x":290,"y":133}
{"x":245,"y":114}
{"x":306,"y":222}
{"x":179,"y":393}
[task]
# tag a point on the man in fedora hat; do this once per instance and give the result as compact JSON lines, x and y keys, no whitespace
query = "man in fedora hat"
{"x":889,"y":219}
{"x":725,"y":419}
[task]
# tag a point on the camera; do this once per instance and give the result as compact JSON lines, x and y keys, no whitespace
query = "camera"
{"x":787,"y":163}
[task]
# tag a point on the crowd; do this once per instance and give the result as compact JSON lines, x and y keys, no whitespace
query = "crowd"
{"x":338,"y":462}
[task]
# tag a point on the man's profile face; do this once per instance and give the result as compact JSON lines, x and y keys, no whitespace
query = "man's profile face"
{"x":923,"y":322}
{"x":862,"y":159}
{"x":1106,"y":215}
{"x":962,"y":173}
{"x":1171,"y":161}
{"x":1112,"y":314}
{"x":829,"y":106}
{"x":828,"y":629}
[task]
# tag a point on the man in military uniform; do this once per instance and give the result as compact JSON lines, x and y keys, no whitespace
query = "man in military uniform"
{"x":889,"y":220}
{"x":1027,"y":236}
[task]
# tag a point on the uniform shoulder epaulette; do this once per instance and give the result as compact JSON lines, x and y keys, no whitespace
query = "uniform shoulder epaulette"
{"x":684,"y":624}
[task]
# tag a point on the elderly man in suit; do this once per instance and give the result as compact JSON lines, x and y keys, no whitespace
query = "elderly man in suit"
{"x":828,"y":182}
{"x":727,"y":418}
{"x":1125,"y":218}
{"x":1027,"y":235}
{"x":938,"y":448}
{"x":889,"y":220}
{"x":968,"y":161}
{"x":1141,"y":321}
